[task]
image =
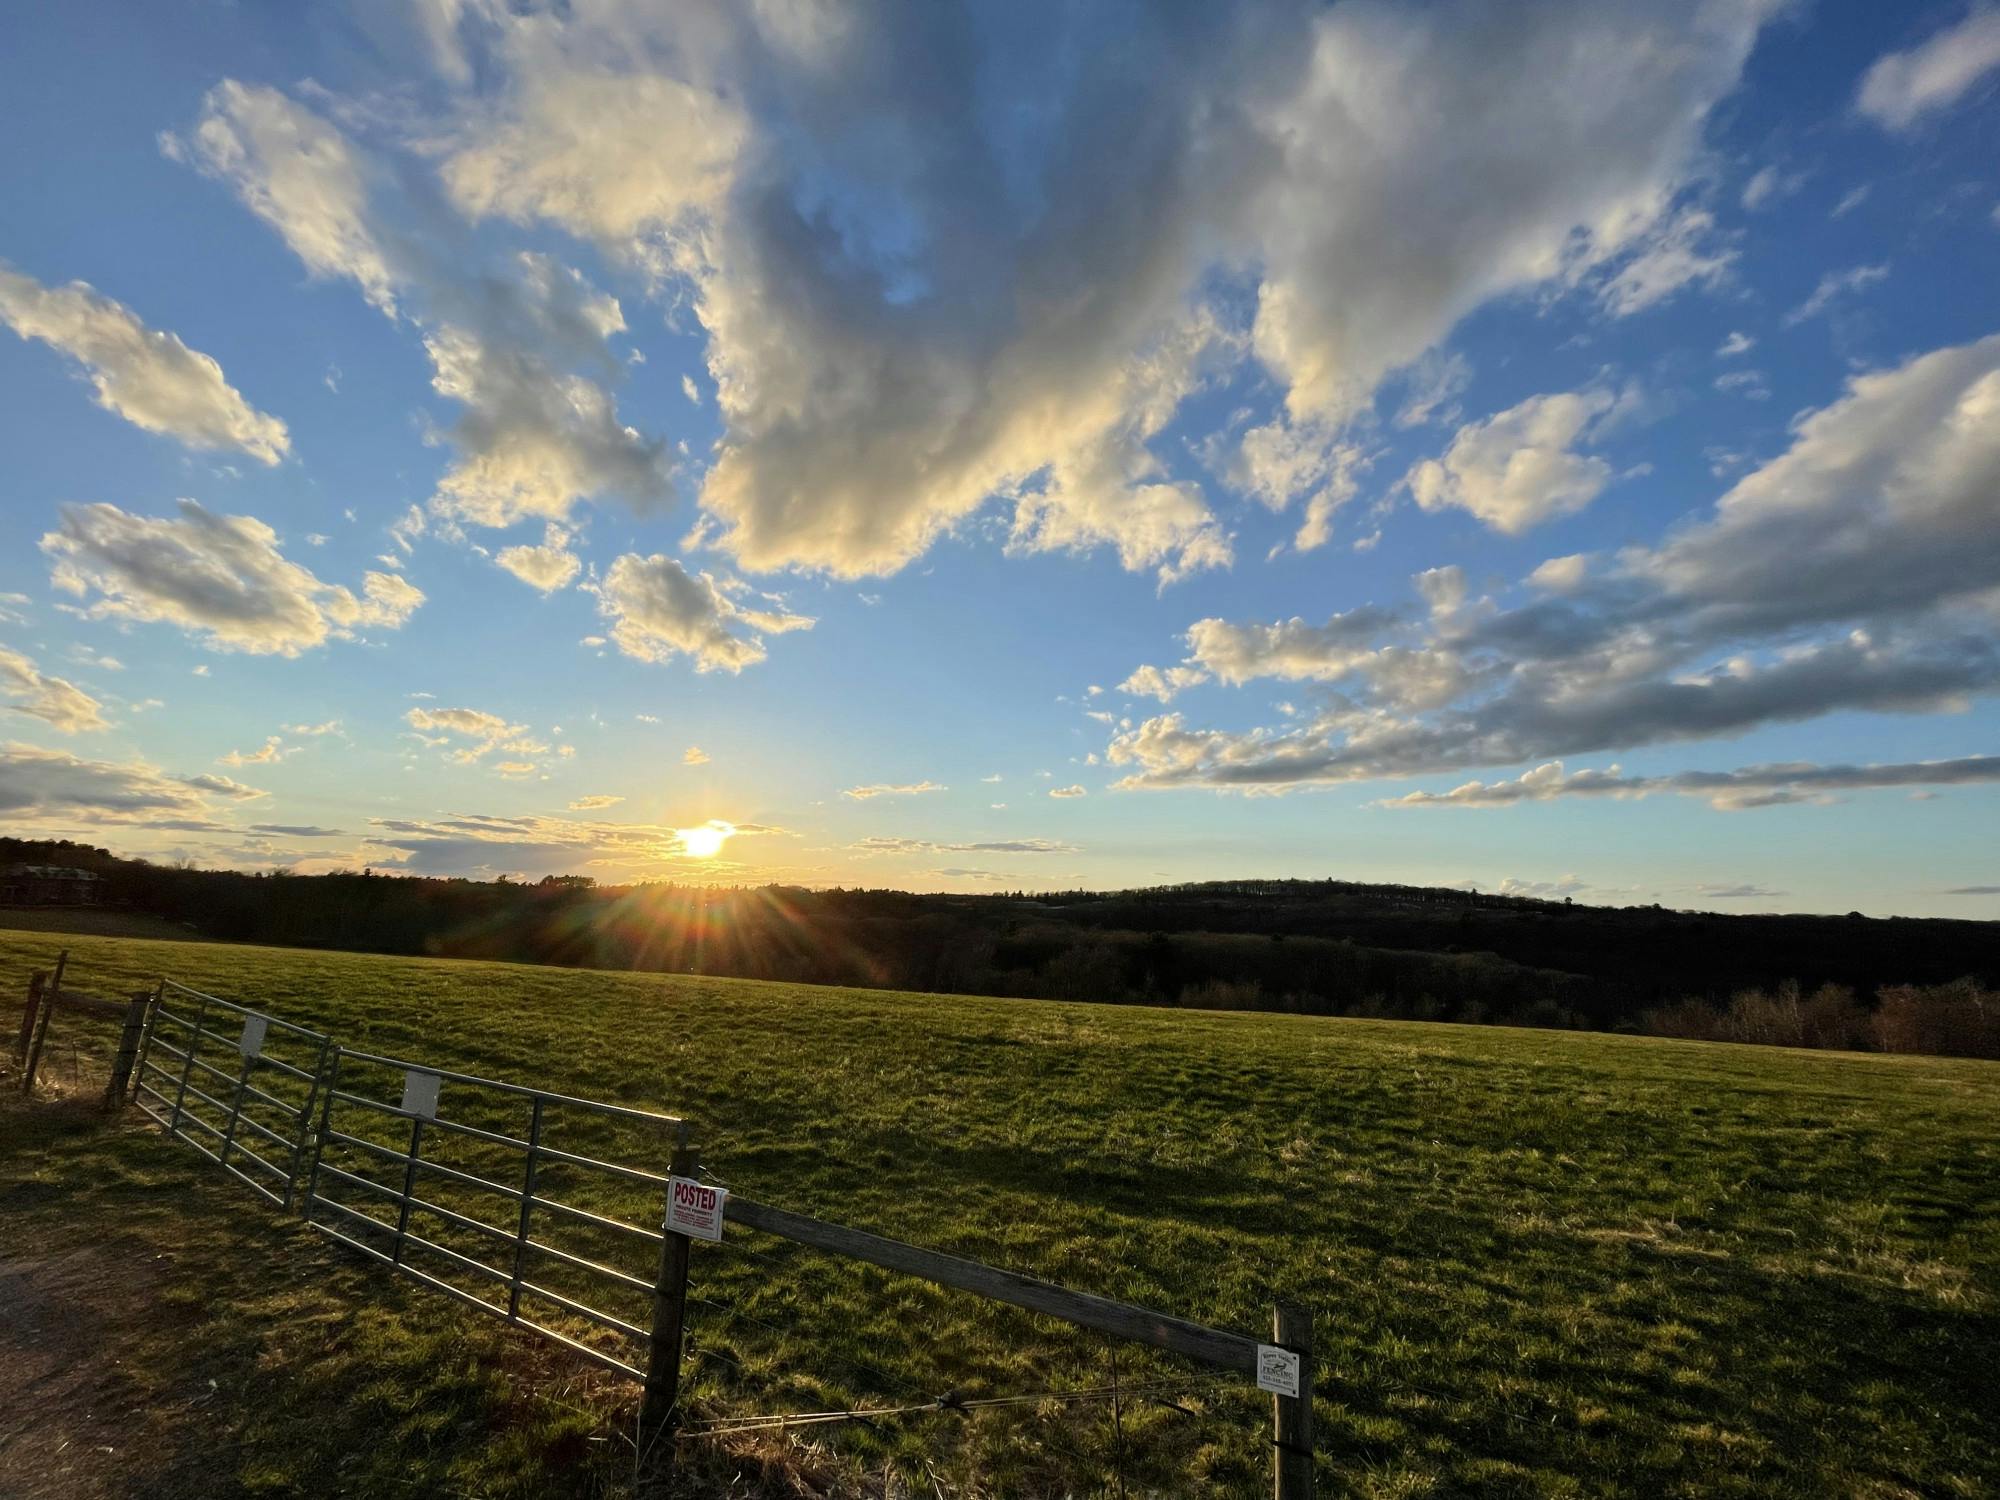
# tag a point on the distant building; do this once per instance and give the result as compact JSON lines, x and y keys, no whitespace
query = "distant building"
{"x":49,"y":885}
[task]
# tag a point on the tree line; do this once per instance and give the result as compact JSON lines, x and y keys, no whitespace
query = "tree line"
{"x":1306,"y":947}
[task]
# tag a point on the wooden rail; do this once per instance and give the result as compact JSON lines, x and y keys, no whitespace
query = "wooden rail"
{"x":1139,"y":1325}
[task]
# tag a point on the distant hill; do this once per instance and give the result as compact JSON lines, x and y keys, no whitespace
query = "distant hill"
{"x":1314,"y":947}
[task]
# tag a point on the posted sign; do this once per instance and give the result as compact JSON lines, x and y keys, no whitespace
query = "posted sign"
{"x":1277,"y":1370}
{"x":420,"y":1093}
{"x":695,"y":1209}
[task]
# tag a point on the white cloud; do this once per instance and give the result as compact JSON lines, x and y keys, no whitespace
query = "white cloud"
{"x":1290,"y":649}
{"x":887,"y":789}
{"x":474,"y":734}
{"x":1768,"y":184}
{"x":889,"y":296}
{"x":1902,"y":87}
{"x":1517,"y":469}
{"x":534,"y":441}
{"x":52,"y":786}
{"x":1749,"y":384}
{"x":658,"y":610}
{"x":1835,"y":284}
{"x":1281,"y":461}
{"x":148,"y":377}
{"x":883,"y":844}
{"x":1726,"y":791}
{"x":55,"y":700}
{"x":617,"y":154}
{"x":404,"y":530}
{"x":221,"y":577}
{"x":534,"y":436}
{"x":549,"y":567}
{"x":694,"y":755}
{"x":1154,"y":682}
{"x":1735,"y":344}
{"x":690,"y":390}
{"x":1680,"y":253}
{"x":1735,"y":891}
{"x":1434,"y":384}
{"x":1064,"y":792}
{"x":472,"y":722}
{"x":1413,"y":191}
{"x":272,"y":751}
{"x":1857,"y":571}
{"x":298,"y":174}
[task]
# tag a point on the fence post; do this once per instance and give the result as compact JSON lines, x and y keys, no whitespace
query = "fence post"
{"x":128,"y":1050}
{"x":1292,"y":1417}
{"x":146,"y":1034}
{"x":658,"y":1417}
{"x":50,"y":992}
{"x":27,"y":1033}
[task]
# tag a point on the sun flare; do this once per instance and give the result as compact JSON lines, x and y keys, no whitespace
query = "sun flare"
{"x":705,"y":841}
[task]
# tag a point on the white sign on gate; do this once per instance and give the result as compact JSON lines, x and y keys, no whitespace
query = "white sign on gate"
{"x":251,"y":1044}
{"x":694,"y":1209}
{"x":420,"y":1093}
{"x":1277,"y":1370}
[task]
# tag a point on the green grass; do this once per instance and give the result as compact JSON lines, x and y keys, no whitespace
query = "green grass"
{"x":1540,"y":1264}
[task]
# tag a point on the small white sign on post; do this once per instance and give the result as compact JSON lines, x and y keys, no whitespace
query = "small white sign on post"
{"x":420,"y":1093}
{"x":1277,"y":1371}
{"x":251,"y":1043}
{"x":695,"y":1209}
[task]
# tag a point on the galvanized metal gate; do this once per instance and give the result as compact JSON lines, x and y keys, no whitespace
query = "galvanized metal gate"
{"x":578,"y":1258}
{"x":265,"y":1076}
{"x":424,"y":1179}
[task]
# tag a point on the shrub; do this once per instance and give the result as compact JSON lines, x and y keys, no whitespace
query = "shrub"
{"x":1224,"y":994}
{"x":1949,"y":1020}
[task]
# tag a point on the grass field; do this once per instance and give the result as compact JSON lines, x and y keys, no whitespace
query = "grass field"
{"x":1541,"y":1264}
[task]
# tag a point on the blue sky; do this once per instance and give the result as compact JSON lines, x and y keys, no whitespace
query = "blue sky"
{"x":1549,"y":446}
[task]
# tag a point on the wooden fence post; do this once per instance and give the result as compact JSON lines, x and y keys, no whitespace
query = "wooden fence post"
{"x":1292,"y":1448}
{"x":35,"y":982}
{"x":659,"y":1417}
{"x":49,"y":993}
{"x":128,"y":1050}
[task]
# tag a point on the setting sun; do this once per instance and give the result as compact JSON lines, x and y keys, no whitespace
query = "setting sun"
{"x":705,"y":841}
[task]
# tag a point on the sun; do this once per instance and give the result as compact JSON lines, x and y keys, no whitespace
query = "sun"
{"x":706,"y":841}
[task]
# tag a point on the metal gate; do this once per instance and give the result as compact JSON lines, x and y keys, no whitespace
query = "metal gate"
{"x":463,"y":1168}
{"x":251,"y":1108}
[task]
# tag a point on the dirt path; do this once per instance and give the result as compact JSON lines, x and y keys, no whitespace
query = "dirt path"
{"x":68,"y":1413}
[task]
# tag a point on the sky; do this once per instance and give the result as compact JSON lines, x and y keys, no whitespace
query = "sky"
{"x":1551,"y":447}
